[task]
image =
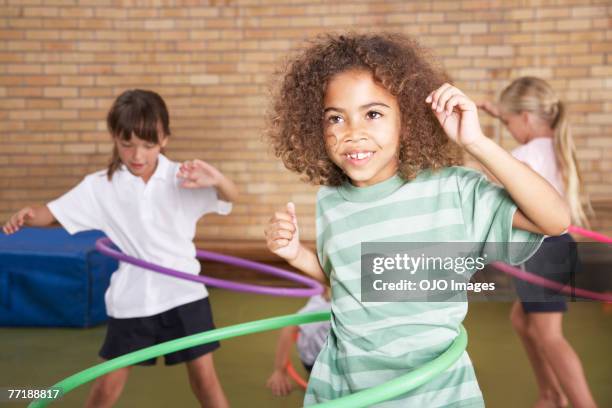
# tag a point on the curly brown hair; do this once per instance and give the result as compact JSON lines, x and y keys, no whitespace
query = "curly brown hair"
{"x":397,"y":62}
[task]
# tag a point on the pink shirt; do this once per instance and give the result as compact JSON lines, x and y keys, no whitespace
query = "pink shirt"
{"x":539,"y":154}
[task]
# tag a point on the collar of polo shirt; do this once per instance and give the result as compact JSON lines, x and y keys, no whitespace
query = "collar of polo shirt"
{"x":160,"y":173}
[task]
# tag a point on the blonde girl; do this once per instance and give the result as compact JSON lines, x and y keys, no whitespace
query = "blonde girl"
{"x":537,"y":119}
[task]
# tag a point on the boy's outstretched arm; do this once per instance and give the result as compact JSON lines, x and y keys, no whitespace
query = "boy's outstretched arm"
{"x":35,"y":216}
{"x":283,"y":239}
{"x":541,"y":208}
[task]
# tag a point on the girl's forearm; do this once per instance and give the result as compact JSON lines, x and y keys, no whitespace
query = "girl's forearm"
{"x":227,"y":190}
{"x":283,"y":347}
{"x":42,"y":217}
{"x":308,"y":262}
{"x":534,"y":196}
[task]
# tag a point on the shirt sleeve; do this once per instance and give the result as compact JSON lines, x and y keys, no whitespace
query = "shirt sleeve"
{"x":78,"y":210}
{"x":520,"y":153}
{"x":308,"y":306}
{"x":201,"y":201}
{"x":526,"y":154}
{"x":487,"y":211}
{"x":315,"y":303}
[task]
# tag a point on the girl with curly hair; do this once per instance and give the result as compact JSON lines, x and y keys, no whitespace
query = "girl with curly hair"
{"x":369,"y":118}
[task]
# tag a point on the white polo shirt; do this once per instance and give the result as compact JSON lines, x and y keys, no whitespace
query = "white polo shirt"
{"x":154,"y":221}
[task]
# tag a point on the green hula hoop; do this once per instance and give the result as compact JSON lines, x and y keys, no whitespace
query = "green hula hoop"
{"x":363,"y":398}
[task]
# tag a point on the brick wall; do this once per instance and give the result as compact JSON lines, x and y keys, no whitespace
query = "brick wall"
{"x":62,"y":62}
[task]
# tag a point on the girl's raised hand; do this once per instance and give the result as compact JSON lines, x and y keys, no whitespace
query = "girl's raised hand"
{"x":489,"y":107}
{"x":15,"y":223}
{"x":282,"y":233}
{"x":198,"y":174}
{"x":457,"y":114}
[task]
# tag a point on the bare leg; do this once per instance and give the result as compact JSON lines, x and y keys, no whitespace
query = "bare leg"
{"x":549,"y":389}
{"x":106,"y":390}
{"x":204,"y":382}
{"x":545,"y":329}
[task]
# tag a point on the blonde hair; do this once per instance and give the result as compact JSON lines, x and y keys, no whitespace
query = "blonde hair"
{"x":534,"y":95}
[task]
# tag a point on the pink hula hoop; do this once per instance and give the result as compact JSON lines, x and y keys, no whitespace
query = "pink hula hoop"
{"x":549,"y":284}
{"x":590,"y":234}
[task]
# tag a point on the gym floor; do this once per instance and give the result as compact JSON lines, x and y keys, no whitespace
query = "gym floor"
{"x":39,"y":357}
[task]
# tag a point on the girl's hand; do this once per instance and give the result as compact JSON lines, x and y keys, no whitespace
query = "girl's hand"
{"x":199,"y":174}
{"x":280,"y":384}
{"x":489,"y":107}
{"x":282,"y":234}
{"x":15,"y":223}
{"x":457,"y":114}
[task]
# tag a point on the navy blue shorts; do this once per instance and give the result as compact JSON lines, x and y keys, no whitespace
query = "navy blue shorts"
{"x":124,"y":336}
{"x":556,"y":260}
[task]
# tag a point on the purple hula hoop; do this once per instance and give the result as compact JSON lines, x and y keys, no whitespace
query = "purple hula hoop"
{"x":314,"y":288}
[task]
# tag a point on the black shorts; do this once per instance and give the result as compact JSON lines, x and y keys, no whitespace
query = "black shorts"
{"x":124,"y":336}
{"x":556,"y":260}
{"x":308,"y":367}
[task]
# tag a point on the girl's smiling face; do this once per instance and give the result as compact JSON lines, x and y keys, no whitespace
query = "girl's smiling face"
{"x":361,"y":125}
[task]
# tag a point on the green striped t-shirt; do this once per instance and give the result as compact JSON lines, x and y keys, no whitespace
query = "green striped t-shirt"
{"x":373,"y":342}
